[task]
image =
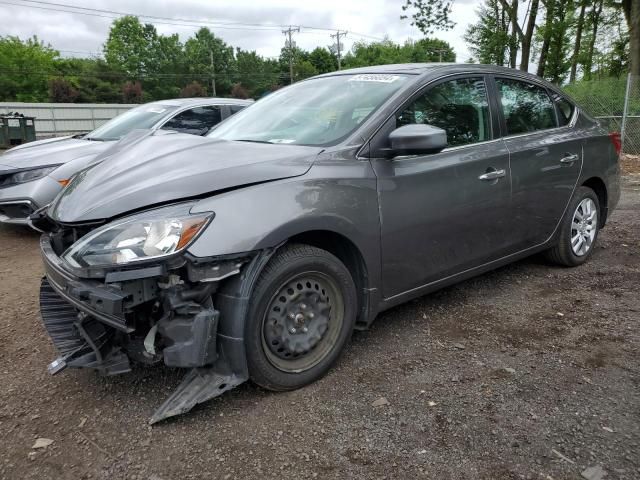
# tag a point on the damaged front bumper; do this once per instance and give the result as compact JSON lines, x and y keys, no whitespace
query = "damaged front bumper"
{"x":184,"y":312}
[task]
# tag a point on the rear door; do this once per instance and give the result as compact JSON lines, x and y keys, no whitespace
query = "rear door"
{"x":545,"y":157}
{"x":441,"y":213}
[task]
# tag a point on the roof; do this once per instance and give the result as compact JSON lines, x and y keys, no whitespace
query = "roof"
{"x":184,"y":102}
{"x":411,"y":68}
{"x":440,"y":68}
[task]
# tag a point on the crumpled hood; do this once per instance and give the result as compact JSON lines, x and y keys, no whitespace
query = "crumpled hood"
{"x":52,"y":151}
{"x":167,"y":166}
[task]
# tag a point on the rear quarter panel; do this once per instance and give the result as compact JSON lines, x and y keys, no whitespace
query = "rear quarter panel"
{"x":600,"y":160}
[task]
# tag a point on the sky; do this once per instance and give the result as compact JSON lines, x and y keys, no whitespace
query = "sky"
{"x":75,"y":34}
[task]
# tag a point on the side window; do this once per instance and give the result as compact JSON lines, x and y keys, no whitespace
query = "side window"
{"x":526,"y":107}
{"x":565,"y":110}
{"x":459,"y":107}
{"x":236,"y":108}
{"x":196,"y":121}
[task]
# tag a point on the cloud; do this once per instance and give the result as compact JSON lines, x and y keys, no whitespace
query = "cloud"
{"x":69,"y":32}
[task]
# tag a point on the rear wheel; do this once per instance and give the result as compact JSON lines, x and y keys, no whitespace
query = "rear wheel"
{"x":579,"y":230}
{"x":302,"y":314}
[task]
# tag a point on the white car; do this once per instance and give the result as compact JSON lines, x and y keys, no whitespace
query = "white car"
{"x":31,"y":175}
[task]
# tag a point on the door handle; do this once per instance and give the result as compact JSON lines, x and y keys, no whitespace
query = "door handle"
{"x":492,"y":175}
{"x":569,"y":158}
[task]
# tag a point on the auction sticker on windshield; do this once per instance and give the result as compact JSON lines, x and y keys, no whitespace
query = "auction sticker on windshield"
{"x":374,"y":77}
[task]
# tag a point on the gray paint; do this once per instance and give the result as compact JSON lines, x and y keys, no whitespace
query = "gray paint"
{"x":419,"y":222}
{"x":417,"y":138}
{"x":167,"y":166}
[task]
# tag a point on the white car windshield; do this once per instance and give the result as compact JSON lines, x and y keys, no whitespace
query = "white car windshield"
{"x":320,"y":111}
{"x":144,"y":116}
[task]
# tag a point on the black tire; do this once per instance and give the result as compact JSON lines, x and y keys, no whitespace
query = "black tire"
{"x":562,"y":253}
{"x":332,"y":293}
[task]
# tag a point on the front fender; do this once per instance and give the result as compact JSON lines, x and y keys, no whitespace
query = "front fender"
{"x":338,"y":197}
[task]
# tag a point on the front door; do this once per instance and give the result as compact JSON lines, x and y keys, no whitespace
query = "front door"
{"x":446,"y":212}
{"x":546,"y":158}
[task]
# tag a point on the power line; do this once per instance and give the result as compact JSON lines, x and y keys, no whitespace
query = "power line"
{"x":183,"y":20}
{"x":166,"y":20}
{"x":115,"y":16}
{"x":83,"y":52}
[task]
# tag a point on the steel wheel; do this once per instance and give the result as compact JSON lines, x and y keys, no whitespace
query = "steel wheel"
{"x":302,"y":322}
{"x":584,"y":227}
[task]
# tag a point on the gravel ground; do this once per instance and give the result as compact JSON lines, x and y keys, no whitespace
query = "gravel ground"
{"x":529,"y":372}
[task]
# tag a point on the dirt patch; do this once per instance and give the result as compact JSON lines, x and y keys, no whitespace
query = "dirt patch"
{"x":630,"y":164}
{"x":485,"y":380}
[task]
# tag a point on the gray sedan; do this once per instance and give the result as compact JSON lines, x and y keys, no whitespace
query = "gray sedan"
{"x":254,"y":252}
{"x":31,"y":175}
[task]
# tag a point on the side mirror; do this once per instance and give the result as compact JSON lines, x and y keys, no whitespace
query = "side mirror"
{"x":417,"y":138}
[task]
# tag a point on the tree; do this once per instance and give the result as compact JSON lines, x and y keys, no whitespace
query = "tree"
{"x":427,"y":50}
{"x":239,"y":91}
{"x":558,"y":61}
{"x":488,"y":39}
{"x":546,"y":35}
{"x":62,"y":90}
{"x":207,"y":54}
{"x":578,"y":40}
{"x":380,"y":53}
{"x":166,"y":63}
{"x":557,"y":36}
{"x":524,"y":33}
{"x":303,"y":69}
{"x":429,"y":15}
{"x":611,"y":56}
{"x":130,"y":47}
{"x":193,"y":89}
{"x":255,"y":73}
{"x":94,"y":80}
{"x":363,"y":54}
{"x":323,"y":60}
{"x":132,"y":92}
{"x":631,"y":10}
{"x":24,"y":68}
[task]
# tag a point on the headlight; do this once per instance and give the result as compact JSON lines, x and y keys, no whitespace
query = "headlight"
{"x":25,"y":176}
{"x":144,"y":236}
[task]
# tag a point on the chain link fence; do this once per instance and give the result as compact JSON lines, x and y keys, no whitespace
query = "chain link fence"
{"x":615,"y":102}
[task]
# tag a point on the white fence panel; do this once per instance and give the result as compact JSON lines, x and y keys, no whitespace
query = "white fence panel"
{"x":57,"y":119}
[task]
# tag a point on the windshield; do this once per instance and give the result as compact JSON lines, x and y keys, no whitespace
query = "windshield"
{"x":320,"y":111}
{"x":145,"y":116}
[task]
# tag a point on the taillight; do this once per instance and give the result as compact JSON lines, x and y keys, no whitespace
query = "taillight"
{"x":617,"y":141}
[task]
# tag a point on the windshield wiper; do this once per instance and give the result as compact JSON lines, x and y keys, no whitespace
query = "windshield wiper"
{"x":94,"y":139}
{"x":252,"y":141}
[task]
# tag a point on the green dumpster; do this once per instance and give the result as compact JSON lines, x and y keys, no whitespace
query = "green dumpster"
{"x":16,"y":129}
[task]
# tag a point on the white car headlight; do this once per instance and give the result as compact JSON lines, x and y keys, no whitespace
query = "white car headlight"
{"x":144,"y":236}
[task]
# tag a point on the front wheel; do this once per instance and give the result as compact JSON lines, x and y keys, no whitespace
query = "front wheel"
{"x":301,"y":315}
{"x":579,"y":230}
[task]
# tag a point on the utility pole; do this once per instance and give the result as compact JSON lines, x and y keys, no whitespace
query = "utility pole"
{"x":213,"y":75}
{"x":440,"y":52}
{"x":337,"y":36}
{"x":289,"y":43}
